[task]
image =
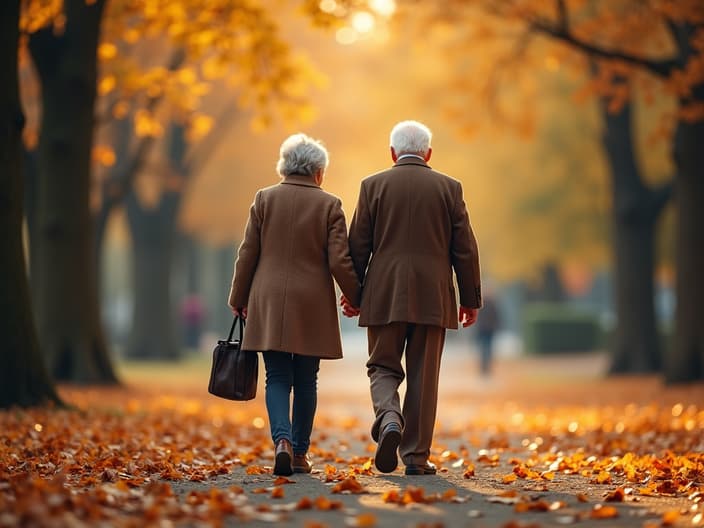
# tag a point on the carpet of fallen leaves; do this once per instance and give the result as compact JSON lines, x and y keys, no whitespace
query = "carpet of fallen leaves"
{"x":167,"y":455}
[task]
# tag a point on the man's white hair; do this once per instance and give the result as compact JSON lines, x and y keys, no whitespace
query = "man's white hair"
{"x":410,"y":137}
{"x":301,"y":154}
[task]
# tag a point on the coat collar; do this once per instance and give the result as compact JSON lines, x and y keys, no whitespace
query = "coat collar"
{"x":299,"y":179}
{"x":411,"y":161}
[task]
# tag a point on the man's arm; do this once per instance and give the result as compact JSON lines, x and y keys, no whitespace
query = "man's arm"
{"x":361,"y":234}
{"x":465,"y":255}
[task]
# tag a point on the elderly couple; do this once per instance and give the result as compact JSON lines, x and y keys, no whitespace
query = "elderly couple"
{"x":409,"y":231}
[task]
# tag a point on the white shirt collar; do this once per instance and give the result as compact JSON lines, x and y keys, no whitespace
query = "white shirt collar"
{"x":402,"y":156}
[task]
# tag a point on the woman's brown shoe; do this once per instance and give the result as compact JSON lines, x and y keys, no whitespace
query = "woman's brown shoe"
{"x":302,"y":463}
{"x":283,"y":455}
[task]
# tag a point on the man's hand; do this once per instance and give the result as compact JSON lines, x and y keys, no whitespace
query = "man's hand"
{"x":468,"y":316}
{"x":347,"y":309}
{"x":239,"y":312}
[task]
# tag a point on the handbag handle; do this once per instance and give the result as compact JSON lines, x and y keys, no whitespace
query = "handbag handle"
{"x":232,"y":328}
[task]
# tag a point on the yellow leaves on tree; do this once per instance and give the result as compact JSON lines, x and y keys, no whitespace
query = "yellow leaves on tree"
{"x":147,"y":125}
{"x":37,"y":14}
{"x":107,"y":51}
{"x":198,"y":42}
{"x":199,"y":126}
{"x":104,"y":155}
{"x":160,"y":58}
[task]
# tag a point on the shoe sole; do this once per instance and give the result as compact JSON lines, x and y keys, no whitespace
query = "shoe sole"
{"x":282,"y":465}
{"x":385,"y":459}
{"x":419,"y":472}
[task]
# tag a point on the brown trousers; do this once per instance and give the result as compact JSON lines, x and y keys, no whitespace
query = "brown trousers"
{"x":423,"y":348}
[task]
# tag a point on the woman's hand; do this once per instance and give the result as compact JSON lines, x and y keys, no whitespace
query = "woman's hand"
{"x":239,"y":312}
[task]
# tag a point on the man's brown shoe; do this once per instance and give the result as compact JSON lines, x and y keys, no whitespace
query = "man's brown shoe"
{"x":302,"y":463}
{"x":385,"y":459}
{"x":283,"y":455}
{"x":421,"y":469}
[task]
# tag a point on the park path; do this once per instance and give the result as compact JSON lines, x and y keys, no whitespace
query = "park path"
{"x":532,"y":410}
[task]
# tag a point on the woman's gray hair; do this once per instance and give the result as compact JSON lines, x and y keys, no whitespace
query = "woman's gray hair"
{"x":301,"y":154}
{"x":410,"y":137}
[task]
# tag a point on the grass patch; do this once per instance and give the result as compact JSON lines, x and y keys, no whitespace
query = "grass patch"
{"x":192,"y":370}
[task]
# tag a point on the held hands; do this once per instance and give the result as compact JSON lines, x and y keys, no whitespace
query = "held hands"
{"x":347,"y":309}
{"x":468,"y":316}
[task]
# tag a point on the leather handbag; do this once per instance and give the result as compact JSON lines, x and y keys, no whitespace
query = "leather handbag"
{"x":234,"y":373}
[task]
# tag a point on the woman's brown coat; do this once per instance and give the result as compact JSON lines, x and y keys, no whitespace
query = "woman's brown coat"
{"x":295,"y":242}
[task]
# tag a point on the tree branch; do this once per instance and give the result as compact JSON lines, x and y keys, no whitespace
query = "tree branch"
{"x":205,"y":148}
{"x":562,"y":16}
{"x":519,"y":48}
{"x":661,"y":68}
{"x":119,"y":184}
{"x":660,"y":196}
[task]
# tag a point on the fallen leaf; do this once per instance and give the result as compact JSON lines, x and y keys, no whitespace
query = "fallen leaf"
{"x":304,"y":504}
{"x":362,"y":520}
{"x":616,"y":495}
{"x":503,"y":500}
{"x":670,"y":517}
{"x":277,"y":493}
{"x":391,"y":496}
{"x":349,"y":485}
{"x":325,"y":504}
{"x":469,"y":471}
{"x":533,"y":506}
{"x":603,"y":512}
{"x":256,"y":470}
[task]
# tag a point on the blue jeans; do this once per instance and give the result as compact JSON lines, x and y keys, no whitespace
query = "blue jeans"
{"x":283,"y":372}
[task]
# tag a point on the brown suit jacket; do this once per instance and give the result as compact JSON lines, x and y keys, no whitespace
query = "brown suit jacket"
{"x":408,"y":232}
{"x":295,"y":242}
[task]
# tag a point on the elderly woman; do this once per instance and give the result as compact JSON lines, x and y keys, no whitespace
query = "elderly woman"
{"x":294,"y":244}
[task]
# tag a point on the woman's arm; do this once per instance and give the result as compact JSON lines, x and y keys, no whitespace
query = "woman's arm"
{"x":247,"y":259}
{"x":339,"y":259}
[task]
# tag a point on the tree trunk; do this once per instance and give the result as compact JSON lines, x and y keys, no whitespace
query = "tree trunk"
{"x":685,"y":361}
{"x":153,"y":235}
{"x":23,"y":378}
{"x":636,"y":208}
{"x":112,"y":192}
{"x":30,"y":199}
{"x":64,"y":268}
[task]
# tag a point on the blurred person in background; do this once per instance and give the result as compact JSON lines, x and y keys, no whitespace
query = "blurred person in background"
{"x":409,"y":231}
{"x":488,"y":323}
{"x":192,"y":318}
{"x":295,"y":243}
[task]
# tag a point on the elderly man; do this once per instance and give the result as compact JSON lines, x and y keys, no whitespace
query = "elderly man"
{"x":409,"y":231}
